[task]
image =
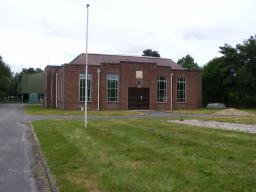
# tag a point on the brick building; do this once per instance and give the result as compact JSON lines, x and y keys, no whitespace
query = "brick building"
{"x":122,"y":82}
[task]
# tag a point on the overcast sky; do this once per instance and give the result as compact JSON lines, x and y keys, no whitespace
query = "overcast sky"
{"x":34,"y":33}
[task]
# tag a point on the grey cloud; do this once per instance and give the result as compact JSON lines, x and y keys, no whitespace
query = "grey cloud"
{"x":204,"y":33}
{"x":49,"y":30}
{"x":57,"y":30}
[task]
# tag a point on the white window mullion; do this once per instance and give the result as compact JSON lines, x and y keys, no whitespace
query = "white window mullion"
{"x":161,"y":89}
{"x":181,"y":89}
{"x":82,"y":87}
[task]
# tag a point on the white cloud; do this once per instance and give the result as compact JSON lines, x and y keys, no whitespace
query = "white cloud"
{"x":31,"y":32}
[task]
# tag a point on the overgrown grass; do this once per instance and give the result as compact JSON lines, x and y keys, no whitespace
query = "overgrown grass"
{"x":40,"y":110}
{"x":141,"y":155}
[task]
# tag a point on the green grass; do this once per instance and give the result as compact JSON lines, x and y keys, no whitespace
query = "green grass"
{"x":194,"y":111}
{"x":202,"y":111}
{"x":141,"y":155}
{"x":40,"y":110}
{"x":243,"y":119}
{"x":252,"y":111}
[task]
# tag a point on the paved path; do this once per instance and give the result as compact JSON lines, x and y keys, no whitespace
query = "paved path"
{"x":15,"y":151}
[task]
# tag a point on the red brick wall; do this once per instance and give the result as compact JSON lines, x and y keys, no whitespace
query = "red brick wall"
{"x":128,"y":79}
{"x":193,"y":89}
{"x":69,"y":74}
{"x":164,"y":72}
{"x":50,"y":86}
{"x":71,"y":87}
{"x":60,"y":88}
{"x":108,"y":69}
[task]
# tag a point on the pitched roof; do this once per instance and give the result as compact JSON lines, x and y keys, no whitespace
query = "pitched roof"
{"x":97,"y":59}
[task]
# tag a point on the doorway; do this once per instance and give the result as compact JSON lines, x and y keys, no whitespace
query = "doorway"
{"x":138,"y":98}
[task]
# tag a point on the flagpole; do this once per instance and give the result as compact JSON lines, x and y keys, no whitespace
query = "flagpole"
{"x":86,"y":70}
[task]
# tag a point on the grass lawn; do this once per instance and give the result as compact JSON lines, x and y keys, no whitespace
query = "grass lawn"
{"x":202,"y":111}
{"x":40,"y":110}
{"x":194,"y":111}
{"x":252,"y":111}
{"x":141,"y":155}
{"x":243,"y":119}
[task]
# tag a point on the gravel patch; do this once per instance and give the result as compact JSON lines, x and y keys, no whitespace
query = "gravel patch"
{"x":233,"y":112}
{"x":218,"y":125}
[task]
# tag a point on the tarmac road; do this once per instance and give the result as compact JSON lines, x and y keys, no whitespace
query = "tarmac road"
{"x":15,"y":150}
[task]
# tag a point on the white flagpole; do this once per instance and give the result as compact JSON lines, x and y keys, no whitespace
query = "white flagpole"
{"x":86,"y":69}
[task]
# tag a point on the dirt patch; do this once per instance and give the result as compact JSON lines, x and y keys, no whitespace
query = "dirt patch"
{"x":218,"y":125}
{"x":233,"y":112}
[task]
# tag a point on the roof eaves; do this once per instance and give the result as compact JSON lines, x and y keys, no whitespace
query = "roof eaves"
{"x":53,"y":66}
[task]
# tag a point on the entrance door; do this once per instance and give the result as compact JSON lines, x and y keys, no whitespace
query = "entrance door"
{"x":138,"y":98}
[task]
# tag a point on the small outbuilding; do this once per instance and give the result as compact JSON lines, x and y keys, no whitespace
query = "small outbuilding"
{"x":32,"y":88}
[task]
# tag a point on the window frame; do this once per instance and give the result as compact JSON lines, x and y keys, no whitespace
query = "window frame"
{"x":117,"y":87}
{"x":185,"y":90}
{"x":89,"y":75}
{"x":165,"y":90}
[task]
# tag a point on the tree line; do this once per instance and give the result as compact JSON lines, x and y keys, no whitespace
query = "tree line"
{"x":10,"y":83}
{"x":230,"y":78}
{"x":6,"y":80}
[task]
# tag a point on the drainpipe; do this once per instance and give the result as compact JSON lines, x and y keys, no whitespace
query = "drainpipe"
{"x":56,"y":90}
{"x":171,"y":90}
{"x":46,"y":90}
{"x":98,"y":71}
{"x":51,"y":89}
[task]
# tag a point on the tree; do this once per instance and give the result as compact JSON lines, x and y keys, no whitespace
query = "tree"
{"x":150,"y":53}
{"x":5,"y":79}
{"x":26,"y":71}
{"x":212,"y":81}
{"x":30,"y":70}
{"x":232,"y":77}
{"x":9,"y":84}
{"x":188,"y":62}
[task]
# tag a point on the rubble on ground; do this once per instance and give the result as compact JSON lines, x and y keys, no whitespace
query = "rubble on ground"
{"x":233,"y":112}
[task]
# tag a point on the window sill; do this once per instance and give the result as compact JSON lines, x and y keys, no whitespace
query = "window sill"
{"x":114,"y":102}
{"x":182,"y":102}
{"x":162,"y":102}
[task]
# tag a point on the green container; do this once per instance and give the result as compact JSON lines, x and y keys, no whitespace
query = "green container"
{"x":216,"y":106}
